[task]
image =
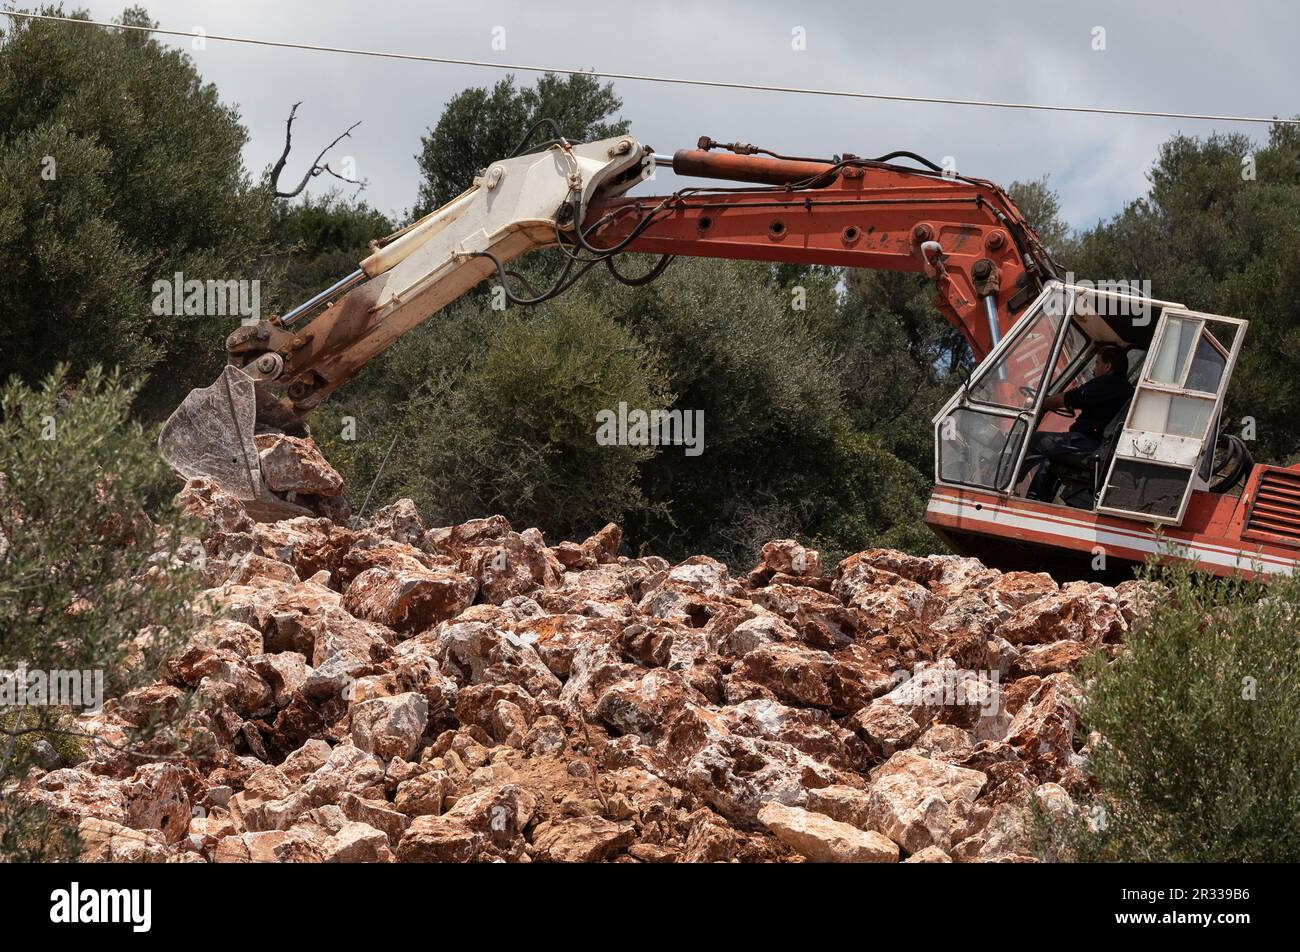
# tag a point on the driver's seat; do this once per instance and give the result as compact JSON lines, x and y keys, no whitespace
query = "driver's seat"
{"x":1079,"y":475}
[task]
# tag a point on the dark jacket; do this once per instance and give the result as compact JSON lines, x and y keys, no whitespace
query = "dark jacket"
{"x":1098,"y":401}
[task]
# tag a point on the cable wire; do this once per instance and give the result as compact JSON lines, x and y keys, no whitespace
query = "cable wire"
{"x":668,"y":80}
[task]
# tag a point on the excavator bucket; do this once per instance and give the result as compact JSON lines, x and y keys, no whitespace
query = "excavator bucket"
{"x":211,"y":434}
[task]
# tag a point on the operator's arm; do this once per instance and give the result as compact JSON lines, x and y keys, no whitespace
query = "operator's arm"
{"x":1076,"y":398}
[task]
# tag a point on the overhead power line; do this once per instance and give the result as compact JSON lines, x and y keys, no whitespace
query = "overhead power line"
{"x":644,"y":78}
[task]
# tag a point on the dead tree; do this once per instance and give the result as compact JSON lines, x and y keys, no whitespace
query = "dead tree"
{"x":316,"y":167}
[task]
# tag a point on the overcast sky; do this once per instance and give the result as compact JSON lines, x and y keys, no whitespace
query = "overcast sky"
{"x":1197,"y":56}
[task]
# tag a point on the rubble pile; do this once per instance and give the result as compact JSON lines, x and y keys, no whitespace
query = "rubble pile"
{"x":394,"y":692}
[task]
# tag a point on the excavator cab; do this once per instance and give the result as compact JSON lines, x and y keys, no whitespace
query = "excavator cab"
{"x":982,"y":433}
{"x":1156,"y":457}
{"x":1153,"y":453}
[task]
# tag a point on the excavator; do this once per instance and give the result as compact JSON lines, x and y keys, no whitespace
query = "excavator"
{"x":1155,"y":487}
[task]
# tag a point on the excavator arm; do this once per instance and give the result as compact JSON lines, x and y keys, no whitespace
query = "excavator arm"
{"x":965,"y":234}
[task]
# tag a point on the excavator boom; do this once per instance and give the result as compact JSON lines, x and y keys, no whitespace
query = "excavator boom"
{"x":277,"y":373}
{"x":966,"y":234}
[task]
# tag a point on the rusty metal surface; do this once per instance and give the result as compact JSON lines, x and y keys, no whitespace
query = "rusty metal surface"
{"x":746,"y":168}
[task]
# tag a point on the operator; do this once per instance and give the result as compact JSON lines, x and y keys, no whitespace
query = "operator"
{"x":1097,"y":402}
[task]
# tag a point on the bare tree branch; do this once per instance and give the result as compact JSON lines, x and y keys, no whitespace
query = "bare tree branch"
{"x":288,"y":138}
{"x":316,"y":167}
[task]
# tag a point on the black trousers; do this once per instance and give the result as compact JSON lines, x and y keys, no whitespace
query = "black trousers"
{"x":1043,"y":448}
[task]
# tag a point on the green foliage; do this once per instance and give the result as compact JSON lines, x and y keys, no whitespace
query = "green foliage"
{"x":780,"y":454}
{"x":323,"y":239}
{"x":898,"y":360}
{"x":75,"y":474}
{"x":491,"y":412}
{"x":1041,"y":206}
{"x":1200,"y":720}
{"x":501,"y":417}
{"x":479,"y":126}
{"x":80,"y":587}
{"x":118,"y":167}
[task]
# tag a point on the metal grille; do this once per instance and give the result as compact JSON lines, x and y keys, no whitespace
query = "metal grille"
{"x":1276,"y":506}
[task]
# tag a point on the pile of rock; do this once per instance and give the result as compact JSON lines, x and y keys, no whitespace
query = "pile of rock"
{"x":299,"y":480}
{"x":471,"y":693}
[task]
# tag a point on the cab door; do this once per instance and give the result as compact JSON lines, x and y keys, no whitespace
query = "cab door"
{"x":1167,"y":429}
{"x":981,"y":435}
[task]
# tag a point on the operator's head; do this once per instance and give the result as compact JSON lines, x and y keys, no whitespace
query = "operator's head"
{"x":1111,"y":360}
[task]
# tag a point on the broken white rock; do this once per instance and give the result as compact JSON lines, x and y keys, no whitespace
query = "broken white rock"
{"x":294,"y":465}
{"x":911,"y":795}
{"x":824,"y":840}
{"x":390,"y":726}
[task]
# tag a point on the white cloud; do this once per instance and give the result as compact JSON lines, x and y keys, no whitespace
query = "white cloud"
{"x":1195,"y":57}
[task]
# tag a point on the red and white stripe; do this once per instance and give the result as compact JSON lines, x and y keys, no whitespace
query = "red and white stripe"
{"x":995,"y":516}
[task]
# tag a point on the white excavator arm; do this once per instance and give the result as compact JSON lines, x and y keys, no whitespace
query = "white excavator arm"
{"x":517,"y":205}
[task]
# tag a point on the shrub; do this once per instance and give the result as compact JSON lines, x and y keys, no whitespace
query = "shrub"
{"x":782,"y":455}
{"x":322,"y":239}
{"x":490,"y":411}
{"x":82,"y":585}
{"x":1200,"y":724}
{"x":502,"y":418}
{"x":119,"y":167}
